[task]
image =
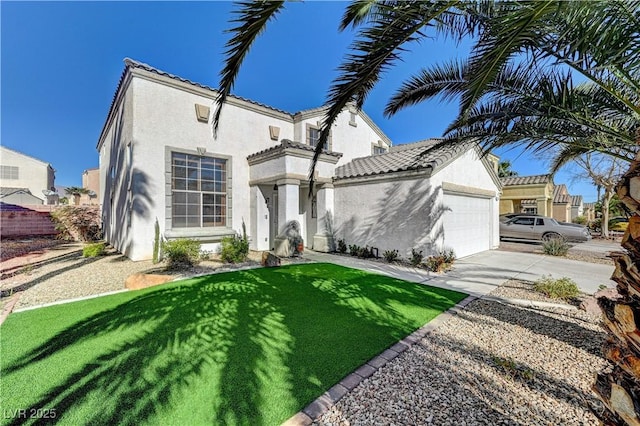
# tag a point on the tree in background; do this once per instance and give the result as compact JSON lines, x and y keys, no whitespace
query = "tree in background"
{"x":504,"y":169}
{"x":76,"y":192}
{"x":605,"y":171}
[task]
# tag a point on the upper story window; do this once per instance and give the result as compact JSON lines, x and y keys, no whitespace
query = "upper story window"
{"x":313,"y":136}
{"x":198,"y":191}
{"x":379,"y":150}
{"x":10,"y":172}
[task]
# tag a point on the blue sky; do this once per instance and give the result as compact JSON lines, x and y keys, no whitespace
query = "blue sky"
{"x":61,"y":61}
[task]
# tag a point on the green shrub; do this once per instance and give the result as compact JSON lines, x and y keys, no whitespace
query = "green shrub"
{"x":581,"y":220}
{"x":234,"y":249}
{"x":342,"y":246}
{"x":555,"y":247}
{"x":181,"y":253}
{"x":156,"y":243}
{"x":354,"y":250}
{"x":561,"y":288}
{"x":366,"y":252}
{"x":391,"y":255}
{"x":440,"y":262}
{"x":93,"y":250}
{"x":416,"y":257}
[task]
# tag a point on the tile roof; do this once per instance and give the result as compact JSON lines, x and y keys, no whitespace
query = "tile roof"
{"x":141,"y":65}
{"x":414,"y":156}
{"x":286,"y":143}
{"x":576,"y":200}
{"x":5,"y":190}
{"x":526,"y":180}
{"x":561,"y":195}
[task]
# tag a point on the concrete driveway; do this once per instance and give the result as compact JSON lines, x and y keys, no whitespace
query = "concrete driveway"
{"x":480,"y":273}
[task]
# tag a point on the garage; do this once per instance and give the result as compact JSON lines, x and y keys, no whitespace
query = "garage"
{"x":420,"y":197}
{"x":467,"y":223}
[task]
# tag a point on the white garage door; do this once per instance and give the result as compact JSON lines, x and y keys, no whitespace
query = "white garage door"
{"x":467,"y":224}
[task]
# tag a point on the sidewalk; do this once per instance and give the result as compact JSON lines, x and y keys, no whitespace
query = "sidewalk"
{"x":39,"y":257}
{"x":479,"y":274}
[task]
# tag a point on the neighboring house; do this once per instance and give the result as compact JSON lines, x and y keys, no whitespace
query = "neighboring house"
{"x":577,"y":206}
{"x":589,"y":211}
{"x":18,"y":196}
{"x":18,"y":170}
{"x":160,"y":163}
{"x":91,"y":182}
{"x":561,"y":203}
{"x":527,"y":194}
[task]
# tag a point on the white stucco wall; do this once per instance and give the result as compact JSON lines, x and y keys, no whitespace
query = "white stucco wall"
{"x":157,"y":112}
{"x":351,"y":141}
{"x":405,"y":213}
{"x":33,"y":174}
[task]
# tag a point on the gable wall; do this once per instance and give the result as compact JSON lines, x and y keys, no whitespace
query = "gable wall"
{"x":406,"y":212}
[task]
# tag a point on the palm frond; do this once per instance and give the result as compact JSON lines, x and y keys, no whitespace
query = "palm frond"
{"x":376,"y":49}
{"x":252,"y":18}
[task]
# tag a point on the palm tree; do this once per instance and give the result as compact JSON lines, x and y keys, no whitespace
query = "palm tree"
{"x":504,"y":169}
{"x":532,"y":41}
{"x":76,"y":191}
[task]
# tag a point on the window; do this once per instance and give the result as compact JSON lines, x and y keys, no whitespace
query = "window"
{"x":9,"y":172}
{"x":198,"y":191}
{"x":539,"y":222}
{"x":524,"y":221}
{"x":379,"y":150}
{"x":313,"y":136}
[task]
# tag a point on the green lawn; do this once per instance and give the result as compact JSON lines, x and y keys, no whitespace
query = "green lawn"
{"x":250,"y":347}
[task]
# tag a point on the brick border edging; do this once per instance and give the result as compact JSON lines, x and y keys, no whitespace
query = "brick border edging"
{"x":8,"y":307}
{"x":324,"y":402}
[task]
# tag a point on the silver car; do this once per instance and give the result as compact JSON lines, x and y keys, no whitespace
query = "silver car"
{"x":543,"y":228}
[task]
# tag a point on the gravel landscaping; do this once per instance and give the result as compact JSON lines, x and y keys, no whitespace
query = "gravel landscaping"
{"x":493,"y":363}
{"x":72,"y":276}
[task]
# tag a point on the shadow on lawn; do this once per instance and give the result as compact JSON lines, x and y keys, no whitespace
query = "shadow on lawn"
{"x":251,"y":347}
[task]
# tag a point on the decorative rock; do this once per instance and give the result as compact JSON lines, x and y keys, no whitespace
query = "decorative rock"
{"x":270,"y":260}
{"x":139,"y":281}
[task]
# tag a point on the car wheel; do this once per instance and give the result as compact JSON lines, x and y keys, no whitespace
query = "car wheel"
{"x":552,"y":236}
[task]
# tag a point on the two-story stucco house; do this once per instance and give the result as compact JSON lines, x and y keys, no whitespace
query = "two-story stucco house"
{"x":159,"y":162}
{"x":24,"y":179}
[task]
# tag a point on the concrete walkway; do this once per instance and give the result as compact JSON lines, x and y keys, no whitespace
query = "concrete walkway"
{"x":479,"y":274}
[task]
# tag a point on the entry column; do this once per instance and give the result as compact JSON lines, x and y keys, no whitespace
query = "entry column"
{"x":288,"y":210}
{"x":323,"y":239}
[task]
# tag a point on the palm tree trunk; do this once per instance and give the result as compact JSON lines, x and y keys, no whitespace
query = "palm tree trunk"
{"x":619,"y":388}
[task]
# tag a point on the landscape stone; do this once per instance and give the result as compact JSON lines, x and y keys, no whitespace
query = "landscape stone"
{"x":270,"y":260}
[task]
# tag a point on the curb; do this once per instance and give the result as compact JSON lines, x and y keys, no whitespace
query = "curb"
{"x":324,"y":402}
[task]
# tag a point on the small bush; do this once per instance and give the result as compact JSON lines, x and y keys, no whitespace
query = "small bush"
{"x":391,"y":255}
{"x":440,"y":262}
{"x":416,"y":257}
{"x":234,"y":249}
{"x":342,"y":246}
{"x":561,"y":288}
{"x":366,"y":252}
{"x":77,"y":223}
{"x":181,"y":253}
{"x":555,"y":247}
{"x":205,"y":254}
{"x":354,"y":250}
{"x":580,"y":220}
{"x":93,"y":250}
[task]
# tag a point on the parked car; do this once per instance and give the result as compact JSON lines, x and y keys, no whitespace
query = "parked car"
{"x":533,"y":227}
{"x":507,"y":216}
